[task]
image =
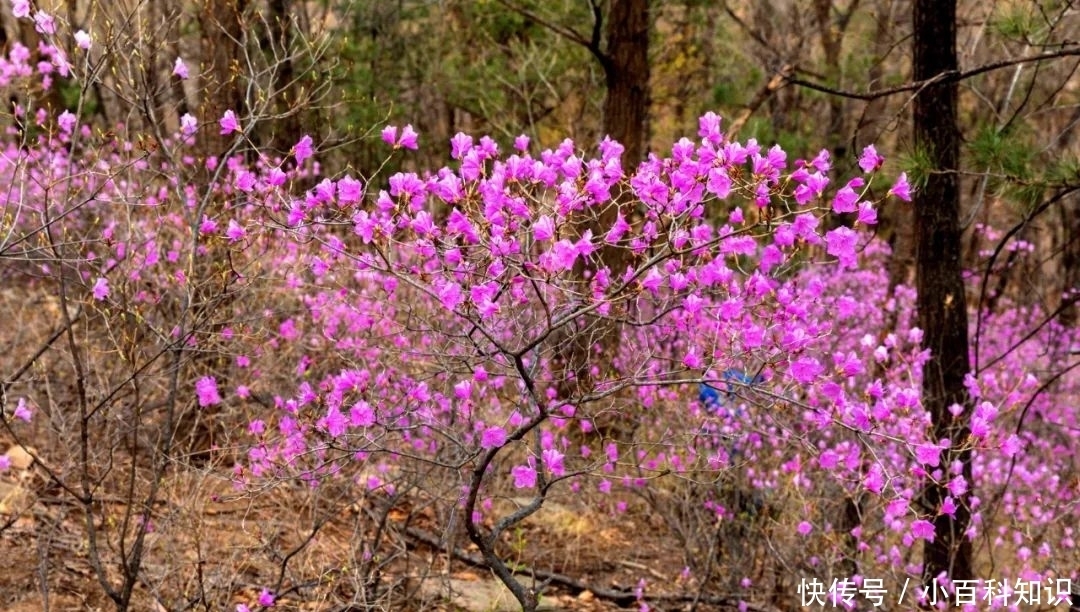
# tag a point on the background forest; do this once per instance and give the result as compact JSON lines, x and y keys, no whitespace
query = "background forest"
{"x":358,"y":305}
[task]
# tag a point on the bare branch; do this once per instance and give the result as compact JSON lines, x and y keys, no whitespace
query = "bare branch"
{"x":567,"y":33}
{"x":944,"y":76}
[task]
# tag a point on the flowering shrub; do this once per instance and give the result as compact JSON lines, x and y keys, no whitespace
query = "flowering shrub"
{"x":525,"y":322}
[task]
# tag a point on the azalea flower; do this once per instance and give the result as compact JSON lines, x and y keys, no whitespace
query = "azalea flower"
{"x":870,"y":160}
{"x":101,"y":289}
{"x":229,"y":124}
{"x":207,"y":392}
{"x":303,"y":150}
{"x":180,"y":69}
{"x":901,"y":188}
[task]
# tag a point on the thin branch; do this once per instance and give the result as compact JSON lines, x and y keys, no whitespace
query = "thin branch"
{"x":763,"y":94}
{"x":951,"y":75}
{"x":567,"y":33}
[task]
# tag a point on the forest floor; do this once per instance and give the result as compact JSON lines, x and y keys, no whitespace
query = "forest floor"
{"x":212,"y":549}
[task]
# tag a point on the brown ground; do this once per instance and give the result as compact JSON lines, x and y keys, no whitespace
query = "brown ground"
{"x":214,"y":549}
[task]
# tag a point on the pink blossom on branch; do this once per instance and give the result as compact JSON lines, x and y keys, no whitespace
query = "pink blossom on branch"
{"x":22,"y":410}
{"x":229,"y":124}
{"x":20,"y":9}
{"x":407,"y":140}
{"x":524,"y":476}
{"x":44,"y":23}
{"x":180,"y":69}
{"x":266,"y":598}
{"x":206,"y":391}
{"x":303,"y":150}
{"x":101,"y":289}
{"x":870,"y":161}
{"x":901,"y":188}
{"x":493,"y":437}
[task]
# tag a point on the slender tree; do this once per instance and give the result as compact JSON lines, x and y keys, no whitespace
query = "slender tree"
{"x":941,"y":302}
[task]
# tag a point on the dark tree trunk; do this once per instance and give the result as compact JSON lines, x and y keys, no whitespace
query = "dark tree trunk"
{"x":941,"y":301}
{"x":625,"y":61}
{"x":1070,"y":263}
{"x":626,"y":103}
{"x":626,"y":71}
{"x":222,"y":24}
{"x":288,"y":129}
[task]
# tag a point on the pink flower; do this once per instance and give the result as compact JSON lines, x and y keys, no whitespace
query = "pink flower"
{"x":901,"y":188}
{"x":229,"y":124}
{"x":334,"y":423}
{"x":874,"y":480}
{"x":349,"y":190}
{"x":841,"y":244}
{"x":22,"y":411}
{"x":845,"y":200}
{"x":618,"y":229}
{"x":82,"y":40}
{"x":1012,"y":446}
{"x":44,"y":23}
{"x":709,"y":128}
{"x":553,"y":460}
{"x":207,"y":391}
{"x":245,"y":181}
{"x":235,"y":231}
{"x":389,"y":135}
{"x":870,"y":160}
{"x":408,"y":137}
{"x":266,"y":598}
{"x":20,"y":9}
{"x":463,"y":390}
{"x":101,"y":289}
{"x":804,"y":528}
{"x":303,"y":150}
{"x":450,"y":295}
{"x":407,"y":140}
{"x":493,"y":437}
{"x":806,"y":369}
{"x":5,"y":463}
{"x":524,"y":476}
{"x":867,"y":214}
{"x":692,"y":360}
{"x":180,"y":69}
{"x":66,"y":121}
{"x":188,"y":124}
{"x":544,"y":229}
{"x":928,"y":454}
{"x":948,"y":506}
{"x":923,"y":529}
{"x":361,"y":414}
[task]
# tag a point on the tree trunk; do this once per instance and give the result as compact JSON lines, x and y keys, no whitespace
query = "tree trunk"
{"x":222,"y":24}
{"x":626,"y":71}
{"x":1070,"y":263}
{"x":941,"y":300}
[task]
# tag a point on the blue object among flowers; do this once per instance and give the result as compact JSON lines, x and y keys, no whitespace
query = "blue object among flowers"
{"x":712,"y":398}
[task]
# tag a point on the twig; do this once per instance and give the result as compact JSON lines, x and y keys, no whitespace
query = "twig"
{"x":950,"y":75}
{"x":763,"y":94}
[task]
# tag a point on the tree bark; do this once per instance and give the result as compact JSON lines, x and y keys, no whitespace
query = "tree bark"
{"x":626,"y":72}
{"x":941,"y":300}
{"x":222,"y":23}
